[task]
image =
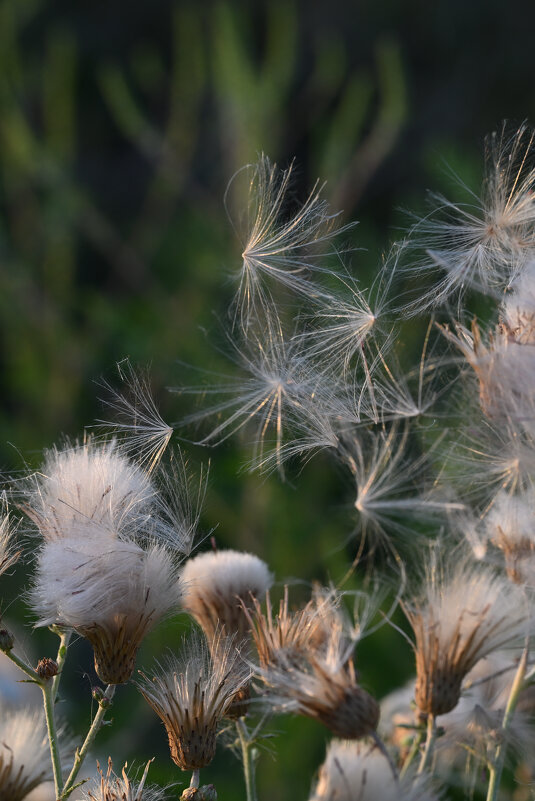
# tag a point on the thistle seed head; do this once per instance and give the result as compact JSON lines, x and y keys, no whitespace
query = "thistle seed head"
{"x":192,"y":694}
{"x":217,"y":587}
{"x":47,"y":668}
{"x":357,"y":772}
{"x":110,"y":787}
{"x":461,"y":618}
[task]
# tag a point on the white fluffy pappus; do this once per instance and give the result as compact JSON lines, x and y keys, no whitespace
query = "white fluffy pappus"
{"x":275,"y":244}
{"x":216,"y":584}
{"x":111,"y":590}
{"x":92,"y":482}
{"x":358,"y":772}
{"x":105,"y":568}
{"x":509,"y":525}
{"x":24,"y":753}
{"x":518,"y":307}
{"x":281,"y":394}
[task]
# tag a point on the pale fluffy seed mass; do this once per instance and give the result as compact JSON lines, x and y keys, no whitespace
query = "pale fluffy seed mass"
{"x":101,"y":570}
{"x":358,"y":772}
{"x":93,"y":482}
{"x":24,"y":753}
{"x":215,"y":585}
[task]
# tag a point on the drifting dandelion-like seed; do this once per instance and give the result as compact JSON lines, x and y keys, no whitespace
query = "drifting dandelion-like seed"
{"x":483,"y":245}
{"x":145,"y":432}
{"x":275,"y":247}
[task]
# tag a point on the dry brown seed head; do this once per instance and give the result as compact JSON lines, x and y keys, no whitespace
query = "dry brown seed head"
{"x":7,"y":641}
{"x":47,"y":668}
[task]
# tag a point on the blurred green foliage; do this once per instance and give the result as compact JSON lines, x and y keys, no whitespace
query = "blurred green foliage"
{"x":118,"y":135}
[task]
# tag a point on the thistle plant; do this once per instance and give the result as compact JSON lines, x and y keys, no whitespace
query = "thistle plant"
{"x":439,"y":457}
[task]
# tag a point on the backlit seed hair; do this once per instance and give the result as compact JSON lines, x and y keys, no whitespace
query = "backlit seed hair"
{"x":8,"y":554}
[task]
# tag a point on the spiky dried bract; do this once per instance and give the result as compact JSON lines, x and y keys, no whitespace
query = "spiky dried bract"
{"x":192,"y":694}
{"x":110,"y":787}
{"x":92,"y":482}
{"x":358,"y":772}
{"x":317,"y":679}
{"x":217,"y":586}
{"x":291,"y":635}
{"x":101,"y":571}
{"x":8,"y":554}
{"x":24,"y":754}
{"x":464,"y":615}
{"x":484,"y":244}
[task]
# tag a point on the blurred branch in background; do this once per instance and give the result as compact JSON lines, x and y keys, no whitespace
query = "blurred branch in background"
{"x":211,"y":95}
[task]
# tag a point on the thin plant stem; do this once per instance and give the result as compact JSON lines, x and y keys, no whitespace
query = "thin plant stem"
{"x":29,"y":671}
{"x":496,"y":767}
{"x":64,"y":638}
{"x":248,"y":759}
{"x":429,"y":743}
{"x":48,"y":700}
{"x":414,"y":750}
{"x":47,"y":687}
{"x":81,"y":753}
{"x":195,"y":778}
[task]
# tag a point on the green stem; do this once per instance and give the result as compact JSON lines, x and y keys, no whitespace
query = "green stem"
{"x":429,"y":743}
{"x":48,"y":699}
{"x":248,"y":759}
{"x":81,"y":753}
{"x":24,"y":667}
{"x":64,"y":637}
{"x":499,"y":757}
{"x":47,"y":686}
{"x":415,"y":748}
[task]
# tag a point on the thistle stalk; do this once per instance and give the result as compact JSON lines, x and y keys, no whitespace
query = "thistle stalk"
{"x":48,"y":700}
{"x":81,"y":753}
{"x":496,"y":767}
{"x":64,"y":638}
{"x":248,"y":758}
{"x":429,"y":743}
{"x":414,"y":749}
